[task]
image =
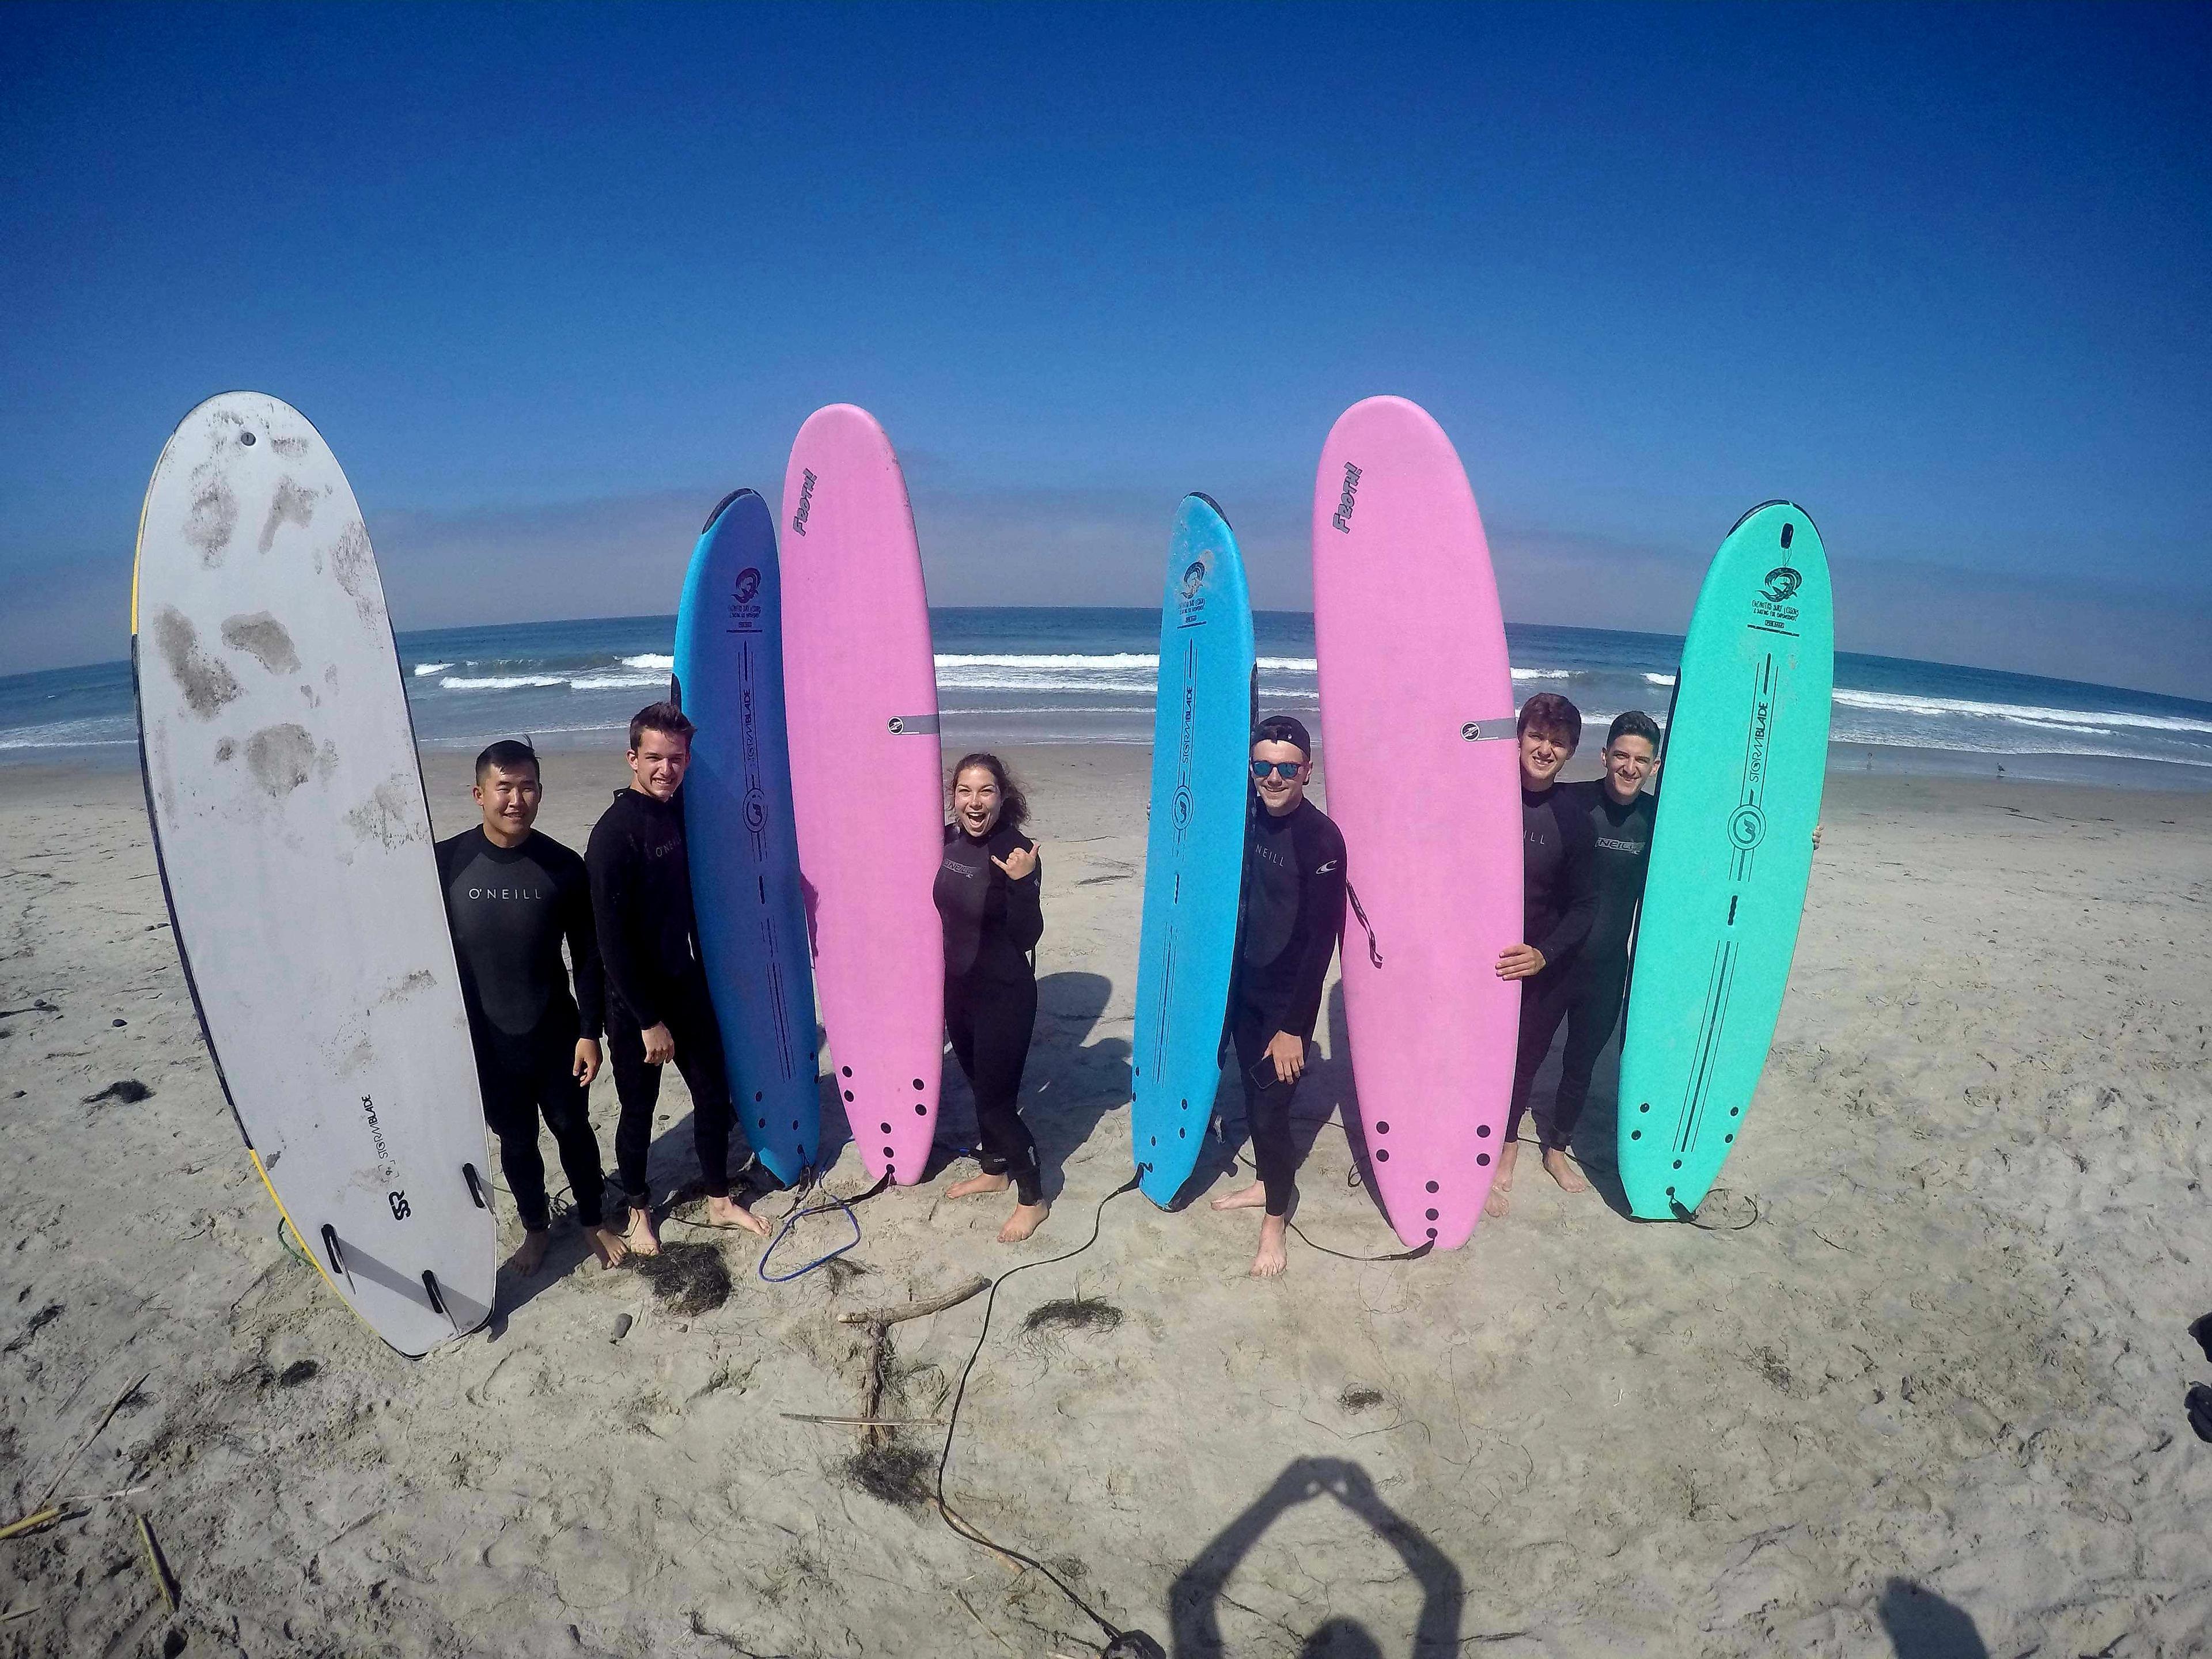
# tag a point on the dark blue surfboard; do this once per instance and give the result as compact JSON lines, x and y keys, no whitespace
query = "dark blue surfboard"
{"x":738,"y":822}
{"x":1195,"y":847}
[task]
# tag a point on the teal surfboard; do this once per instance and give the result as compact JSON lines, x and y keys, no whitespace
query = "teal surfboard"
{"x":1745,"y":751}
{"x":1195,"y":847}
{"x":738,"y":825}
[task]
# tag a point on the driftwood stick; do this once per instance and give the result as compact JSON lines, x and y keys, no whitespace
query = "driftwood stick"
{"x":44,"y":1518}
{"x":865,"y":1422}
{"x":69,"y":1462}
{"x":906,"y":1310}
{"x":157,"y":1566}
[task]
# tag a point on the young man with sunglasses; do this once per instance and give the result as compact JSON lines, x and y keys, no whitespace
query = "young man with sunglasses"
{"x":1560,"y":902}
{"x":1293,"y":902}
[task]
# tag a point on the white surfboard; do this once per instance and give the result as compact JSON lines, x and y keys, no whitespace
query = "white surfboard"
{"x":295,"y":849}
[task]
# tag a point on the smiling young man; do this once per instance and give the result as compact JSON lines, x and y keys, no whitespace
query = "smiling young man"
{"x":513,"y":896}
{"x":1620,"y":813}
{"x":1558,"y":902}
{"x":1293,"y":911}
{"x":658,"y":1008}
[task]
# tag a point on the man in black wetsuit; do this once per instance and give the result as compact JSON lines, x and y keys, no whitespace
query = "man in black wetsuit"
{"x":512,"y":896}
{"x":1293,"y":911}
{"x":658,"y":1008}
{"x":1620,"y":815}
{"x":1559,"y":867}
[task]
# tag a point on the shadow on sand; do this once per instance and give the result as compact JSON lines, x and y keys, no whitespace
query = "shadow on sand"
{"x":1200,"y":1588}
{"x":1070,"y":1084}
{"x":1922,"y":1624}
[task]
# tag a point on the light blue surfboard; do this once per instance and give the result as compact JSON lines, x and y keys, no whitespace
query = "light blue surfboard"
{"x":1195,"y":850}
{"x":1740,"y":770}
{"x":738,"y":823}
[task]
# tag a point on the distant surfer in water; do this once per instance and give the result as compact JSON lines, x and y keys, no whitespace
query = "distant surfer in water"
{"x":1558,"y":875}
{"x":659,"y":1007}
{"x":989,"y":890}
{"x":512,"y":896}
{"x":1293,"y":902}
{"x":1620,"y":813}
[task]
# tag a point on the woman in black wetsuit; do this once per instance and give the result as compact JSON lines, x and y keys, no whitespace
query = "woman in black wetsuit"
{"x":987,"y":891}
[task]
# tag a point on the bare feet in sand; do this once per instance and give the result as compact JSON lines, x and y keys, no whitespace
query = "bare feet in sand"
{"x":641,"y":1237}
{"x":1025,"y":1220}
{"x":532,"y":1256}
{"x":1500,"y":1201}
{"x":1273,"y":1256}
{"x":975,"y":1185}
{"x":728,"y":1212}
{"x":606,"y":1245}
{"x":1561,"y":1168}
{"x":1251,"y":1198}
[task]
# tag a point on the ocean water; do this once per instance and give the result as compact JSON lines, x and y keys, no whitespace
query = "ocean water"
{"x":1032,"y":675}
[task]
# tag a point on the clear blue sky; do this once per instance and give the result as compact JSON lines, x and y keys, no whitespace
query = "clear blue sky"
{"x":552,"y":278}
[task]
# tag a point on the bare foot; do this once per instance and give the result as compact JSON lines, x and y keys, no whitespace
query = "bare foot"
{"x":1025,"y":1220}
{"x":728,"y":1212}
{"x":1561,"y":1168}
{"x":976,"y":1184}
{"x":606,"y":1245}
{"x":532,"y":1256}
{"x":641,"y":1235}
{"x":1250,"y":1199}
{"x":1273,"y":1257}
{"x":1500,"y":1201}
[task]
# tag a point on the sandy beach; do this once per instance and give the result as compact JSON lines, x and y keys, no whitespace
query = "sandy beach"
{"x":1914,"y":1386}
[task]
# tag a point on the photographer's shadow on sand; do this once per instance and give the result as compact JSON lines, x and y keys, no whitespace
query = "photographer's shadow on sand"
{"x":1199,"y":1590}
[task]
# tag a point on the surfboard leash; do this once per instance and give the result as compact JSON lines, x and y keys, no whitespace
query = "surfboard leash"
{"x":1374,"y":950}
{"x":800,"y":1209}
{"x":1120,"y":1643}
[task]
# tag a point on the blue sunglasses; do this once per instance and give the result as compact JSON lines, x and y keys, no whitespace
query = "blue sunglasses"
{"x":1287,"y":770}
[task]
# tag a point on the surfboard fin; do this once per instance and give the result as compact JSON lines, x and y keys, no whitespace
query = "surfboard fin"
{"x":337,"y":1255}
{"x":476,"y":1186}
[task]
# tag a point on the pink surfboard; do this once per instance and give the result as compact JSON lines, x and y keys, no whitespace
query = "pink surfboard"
{"x":1419,"y":758}
{"x":860,"y":696}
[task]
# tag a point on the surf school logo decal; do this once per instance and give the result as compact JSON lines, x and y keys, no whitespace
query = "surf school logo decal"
{"x":1342,"y":520}
{"x":744,"y":609}
{"x":805,"y":501}
{"x":1772,"y":611}
{"x":1190,"y":592}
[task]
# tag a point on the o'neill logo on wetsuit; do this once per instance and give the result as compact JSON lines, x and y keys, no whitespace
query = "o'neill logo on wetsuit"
{"x":1342,"y":521}
{"x":805,"y":501}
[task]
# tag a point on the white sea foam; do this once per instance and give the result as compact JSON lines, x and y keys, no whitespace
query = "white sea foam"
{"x":499,"y":681}
{"x":1543,"y":673}
{"x":1658,"y":679}
{"x":422,"y":668}
{"x":650,"y":659}
{"x":2069,"y":719}
{"x":613,"y":681}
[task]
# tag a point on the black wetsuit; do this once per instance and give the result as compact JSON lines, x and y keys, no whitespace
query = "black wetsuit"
{"x":1293,"y":911}
{"x":991,"y":926}
{"x":511,"y":909}
{"x":1559,"y":866}
{"x":648,"y":938}
{"x":1600,"y":972}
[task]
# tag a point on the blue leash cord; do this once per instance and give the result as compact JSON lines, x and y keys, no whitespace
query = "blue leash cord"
{"x":799,"y":1214}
